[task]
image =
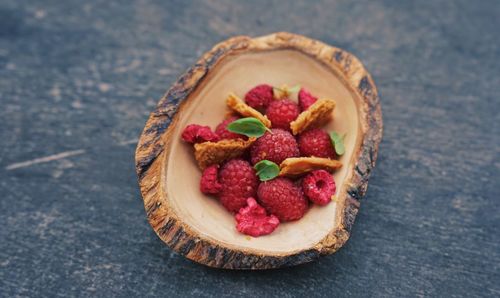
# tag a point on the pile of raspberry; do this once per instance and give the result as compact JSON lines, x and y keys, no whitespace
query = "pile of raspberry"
{"x":260,"y":206}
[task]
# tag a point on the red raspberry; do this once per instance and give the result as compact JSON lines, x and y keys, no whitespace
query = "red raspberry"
{"x":194,"y":133}
{"x":276,"y":147}
{"x":239,"y":182}
{"x":209,"y":183}
{"x":252,"y":220}
{"x":225,"y":134}
{"x":316,"y":142}
{"x":282,"y":112}
{"x":306,"y":99}
{"x":319,"y":187}
{"x":259,"y":97}
{"x":282,"y":198}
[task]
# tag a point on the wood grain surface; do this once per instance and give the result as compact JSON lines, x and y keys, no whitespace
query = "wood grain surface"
{"x":153,"y":149}
{"x":79,"y":78}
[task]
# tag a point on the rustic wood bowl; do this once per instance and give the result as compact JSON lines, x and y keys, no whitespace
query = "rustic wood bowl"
{"x":197,"y":226}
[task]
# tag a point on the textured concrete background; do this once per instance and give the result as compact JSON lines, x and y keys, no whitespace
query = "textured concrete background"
{"x":80,"y":77}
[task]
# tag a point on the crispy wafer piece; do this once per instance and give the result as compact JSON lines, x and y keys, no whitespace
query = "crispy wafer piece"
{"x":238,"y":105}
{"x":209,"y":153}
{"x":316,"y":115}
{"x":295,"y":166}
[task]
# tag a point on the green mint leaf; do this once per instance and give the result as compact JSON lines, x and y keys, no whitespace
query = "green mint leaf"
{"x":284,"y":91}
{"x":266,"y":170}
{"x":294,"y":89}
{"x":277,"y":92}
{"x":250,"y":127}
{"x":337,"y":142}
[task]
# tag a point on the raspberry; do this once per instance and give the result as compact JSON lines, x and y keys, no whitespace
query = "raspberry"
{"x":194,"y":133}
{"x":275,"y":146}
{"x":259,"y":97}
{"x":316,"y":142}
{"x":305,"y":99}
{"x":282,"y":112}
{"x":239,"y":182}
{"x":225,"y":134}
{"x":319,"y":187}
{"x":282,"y":198}
{"x":252,"y":220}
{"x":209,"y":183}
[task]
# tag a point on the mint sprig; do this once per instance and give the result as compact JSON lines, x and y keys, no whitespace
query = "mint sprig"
{"x":294,"y":89}
{"x":250,"y":127}
{"x":285,"y":91}
{"x":337,"y":142}
{"x":266,"y":170}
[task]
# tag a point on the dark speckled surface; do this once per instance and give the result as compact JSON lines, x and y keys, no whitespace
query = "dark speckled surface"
{"x":80,"y":77}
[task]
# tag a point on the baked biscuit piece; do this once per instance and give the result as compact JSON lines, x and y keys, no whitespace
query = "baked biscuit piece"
{"x":209,"y":153}
{"x":295,"y":166}
{"x":316,"y":115}
{"x":239,"y":106}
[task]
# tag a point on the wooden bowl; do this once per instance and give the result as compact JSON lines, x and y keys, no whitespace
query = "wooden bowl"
{"x":197,"y":226}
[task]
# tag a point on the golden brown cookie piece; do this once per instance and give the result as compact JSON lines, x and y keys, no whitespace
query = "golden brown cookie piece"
{"x":238,"y":105}
{"x":296,"y":166}
{"x":209,"y":153}
{"x":316,"y":115}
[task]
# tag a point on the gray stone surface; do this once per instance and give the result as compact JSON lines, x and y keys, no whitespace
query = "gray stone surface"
{"x":83,"y":75}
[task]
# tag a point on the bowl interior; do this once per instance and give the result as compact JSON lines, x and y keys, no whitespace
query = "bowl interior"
{"x":206,"y":106}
